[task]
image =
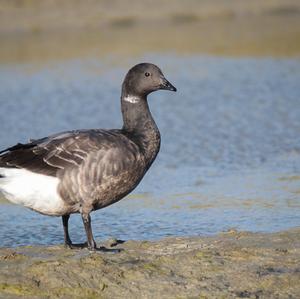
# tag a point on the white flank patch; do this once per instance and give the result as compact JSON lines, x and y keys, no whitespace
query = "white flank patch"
{"x":32,"y":190}
{"x":131,"y":99}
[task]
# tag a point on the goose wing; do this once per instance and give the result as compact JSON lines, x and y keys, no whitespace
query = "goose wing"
{"x":60,"y":151}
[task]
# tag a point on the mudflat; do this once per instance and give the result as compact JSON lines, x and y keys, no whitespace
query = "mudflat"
{"x":234,"y":264}
{"x":42,"y":30}
{"x":230,"y":265}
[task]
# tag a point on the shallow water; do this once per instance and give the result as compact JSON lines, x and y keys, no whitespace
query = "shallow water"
{"x":230,"y":155}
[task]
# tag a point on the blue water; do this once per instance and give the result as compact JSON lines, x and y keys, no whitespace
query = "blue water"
{"x":230,"y":155}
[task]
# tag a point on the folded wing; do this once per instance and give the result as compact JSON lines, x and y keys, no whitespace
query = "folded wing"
{"x":61,"y":151}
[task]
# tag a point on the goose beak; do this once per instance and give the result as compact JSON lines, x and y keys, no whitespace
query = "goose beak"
{"x":167,"y":85}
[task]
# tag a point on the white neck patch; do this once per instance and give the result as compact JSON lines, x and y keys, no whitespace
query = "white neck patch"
{"x":131,"y":99}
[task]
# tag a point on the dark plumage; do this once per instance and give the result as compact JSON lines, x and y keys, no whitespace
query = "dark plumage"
{"x":94,"y":168}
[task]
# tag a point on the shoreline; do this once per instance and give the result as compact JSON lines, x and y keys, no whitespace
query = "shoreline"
{"x":50,"y":31}
{"x":230,"y":265}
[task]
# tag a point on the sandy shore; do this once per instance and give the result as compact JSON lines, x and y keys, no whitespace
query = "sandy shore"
{"x":230,"y":265}
{"x":32,"y":30}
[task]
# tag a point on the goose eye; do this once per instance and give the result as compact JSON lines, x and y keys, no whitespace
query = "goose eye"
{"x":147,"y":74}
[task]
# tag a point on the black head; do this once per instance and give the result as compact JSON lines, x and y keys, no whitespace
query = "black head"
{"x":143,"y":79}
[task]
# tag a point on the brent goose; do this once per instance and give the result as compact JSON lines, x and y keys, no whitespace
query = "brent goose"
{"x":82,"y":171}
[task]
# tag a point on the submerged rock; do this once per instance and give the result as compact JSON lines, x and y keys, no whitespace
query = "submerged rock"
{"x":230,"y":265}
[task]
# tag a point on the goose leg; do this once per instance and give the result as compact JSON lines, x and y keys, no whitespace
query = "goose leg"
{"x":91,"y":244}
{"x":86,"y":218}
{"x":65,"y":221}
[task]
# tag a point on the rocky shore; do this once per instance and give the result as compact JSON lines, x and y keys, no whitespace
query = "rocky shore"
{"x":229,"y":265}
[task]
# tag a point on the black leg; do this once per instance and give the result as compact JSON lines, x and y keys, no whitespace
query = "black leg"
{"x":65,"y":220}
{"x":86,"y":218}
{"x":91,"y":244}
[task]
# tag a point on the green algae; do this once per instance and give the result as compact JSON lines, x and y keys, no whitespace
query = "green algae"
{"x":18,"y":289}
